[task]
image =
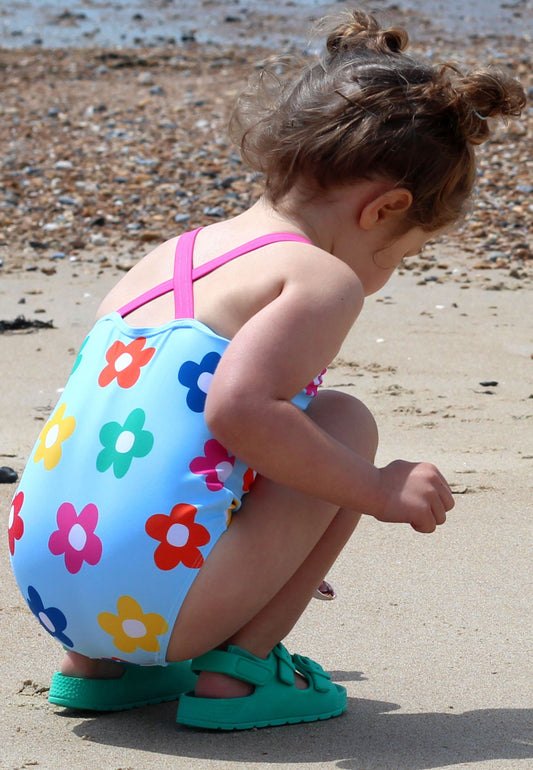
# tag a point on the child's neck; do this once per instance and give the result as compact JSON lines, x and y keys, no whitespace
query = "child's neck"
{"x":297,"y":214}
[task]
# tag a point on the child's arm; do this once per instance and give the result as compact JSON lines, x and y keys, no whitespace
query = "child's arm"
{"x":249,"y":407}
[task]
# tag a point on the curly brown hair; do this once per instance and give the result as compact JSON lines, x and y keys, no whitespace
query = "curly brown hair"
{"x":368,"y":110}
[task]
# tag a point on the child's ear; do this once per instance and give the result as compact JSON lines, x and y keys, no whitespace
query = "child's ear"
{"x":385,"y":208}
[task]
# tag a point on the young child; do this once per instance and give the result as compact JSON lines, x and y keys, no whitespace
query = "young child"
{"x":140,"y":533}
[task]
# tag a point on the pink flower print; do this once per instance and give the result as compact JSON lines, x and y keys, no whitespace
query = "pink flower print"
{"x":16,"y":525}
{"x":217,"y":465}
{"x":312,"y":388}
{"x":75,"y":537}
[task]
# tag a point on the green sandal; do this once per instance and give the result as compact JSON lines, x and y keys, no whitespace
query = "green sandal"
{"x":138,"y":686}
{"x":275,"y":701}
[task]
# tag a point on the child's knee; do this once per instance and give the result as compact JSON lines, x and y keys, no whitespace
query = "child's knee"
{"x":348,"y":419}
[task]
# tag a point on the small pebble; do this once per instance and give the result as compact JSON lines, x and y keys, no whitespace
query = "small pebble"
{"x":145,"y":79}
{"x":7,"y":475}
{"x":214,"y":211}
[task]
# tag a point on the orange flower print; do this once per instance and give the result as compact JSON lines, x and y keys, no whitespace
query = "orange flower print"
{"x":179,"y":536}
{"x":124,"y":362}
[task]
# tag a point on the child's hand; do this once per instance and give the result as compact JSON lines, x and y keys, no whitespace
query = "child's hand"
{"x":415,"y":493}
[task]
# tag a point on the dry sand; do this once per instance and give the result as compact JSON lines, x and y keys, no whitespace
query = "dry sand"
{"x":430,"y":634}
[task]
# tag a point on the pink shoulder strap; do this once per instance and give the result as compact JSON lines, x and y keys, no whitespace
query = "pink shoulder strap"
{"x":256,"y":243}
{"x":185,"y":274}
{"x":142,"y":299}
{"x":183,"y":295}
{"x":180,"y":282}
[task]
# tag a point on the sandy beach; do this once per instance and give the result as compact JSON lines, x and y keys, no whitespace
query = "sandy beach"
{"x":107,"y":151}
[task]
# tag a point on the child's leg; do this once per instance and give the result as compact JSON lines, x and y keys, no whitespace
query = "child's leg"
{"x":75,"y":664}
{"x":275,"y":553}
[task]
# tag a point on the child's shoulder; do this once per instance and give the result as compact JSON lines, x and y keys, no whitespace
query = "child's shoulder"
{"x":318,"y":269}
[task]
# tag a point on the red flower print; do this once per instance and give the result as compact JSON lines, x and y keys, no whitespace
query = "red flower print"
{"x":217,"y":465}
{"x":16,"y":525}
{"x":248,"y":479}
{"x":125,"y":362}
{"x":312,"y":388}
{"x":180,"y":537}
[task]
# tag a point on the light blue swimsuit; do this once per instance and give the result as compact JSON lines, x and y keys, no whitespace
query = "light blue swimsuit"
{"x":126,"y":491}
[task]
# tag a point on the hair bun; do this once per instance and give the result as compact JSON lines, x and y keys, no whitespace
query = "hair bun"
{"x":484,"y":94}
{"x":358,"y":29}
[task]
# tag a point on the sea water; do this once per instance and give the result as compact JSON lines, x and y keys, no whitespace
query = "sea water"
{"x":120,"y":23}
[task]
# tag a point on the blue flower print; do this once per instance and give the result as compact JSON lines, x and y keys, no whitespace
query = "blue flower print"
{"x":197,"y":377}
{"x":51,"y":619}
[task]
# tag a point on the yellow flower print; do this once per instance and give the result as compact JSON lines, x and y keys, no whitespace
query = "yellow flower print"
{"x":229,"y":513}
{"x":56,"y":430}
{"x":131,"y":628}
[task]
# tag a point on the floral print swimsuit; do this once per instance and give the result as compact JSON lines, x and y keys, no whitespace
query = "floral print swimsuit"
{"x":126,"y":491}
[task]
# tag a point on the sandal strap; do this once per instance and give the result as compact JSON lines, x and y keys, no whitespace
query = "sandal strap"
{"x":237,"y":663}
{"x":286,"y":668}
{"x":314,"y":672}
{"x":242,"y":665}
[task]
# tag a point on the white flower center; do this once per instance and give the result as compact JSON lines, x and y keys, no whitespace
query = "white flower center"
{"x":123,"y":362}
{"x":11,"y":517}
{"x":125,"y":441}
{"x":204,"y":381}
{"x":177,"y":535}
{"x":224,"y":470}
{"x":134,"y":628}
{"x":47,"y":623}
{"x":52,"y":436}
{"x":77,"y":537}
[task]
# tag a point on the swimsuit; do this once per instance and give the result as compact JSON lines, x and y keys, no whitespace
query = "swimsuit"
{"x":126,"y":492}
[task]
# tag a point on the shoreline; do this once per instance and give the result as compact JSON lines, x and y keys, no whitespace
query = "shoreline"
{"x":243,"y":22}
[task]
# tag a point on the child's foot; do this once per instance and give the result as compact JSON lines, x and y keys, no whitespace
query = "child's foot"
{"x":271,"y":699}
{"x":214,"y":685}
{"x":101,"y":685}
{"x":83,"y":667}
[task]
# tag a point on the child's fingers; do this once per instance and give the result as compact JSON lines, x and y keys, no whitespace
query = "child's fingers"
{"x":448,"y":499}
{"x":446,"y":493}
{"x":439,"y":512}
{"x":437,"y":516}
{"x":426,"y":527}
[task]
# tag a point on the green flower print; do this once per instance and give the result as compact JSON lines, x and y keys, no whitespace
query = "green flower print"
{"x":77,"y":362}
{"x":124,"y":442}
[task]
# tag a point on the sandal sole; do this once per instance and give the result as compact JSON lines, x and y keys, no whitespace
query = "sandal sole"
{"x":208,"y":713}
{"x":138,"y":686}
